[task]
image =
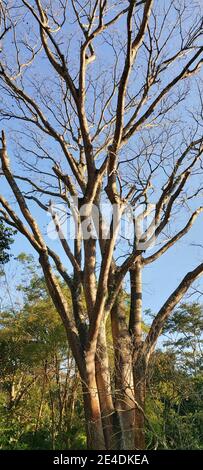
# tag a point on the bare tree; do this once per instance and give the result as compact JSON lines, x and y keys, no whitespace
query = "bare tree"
{"x":100,"y":98}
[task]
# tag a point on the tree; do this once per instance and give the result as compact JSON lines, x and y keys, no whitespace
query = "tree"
{"x":38,"y":378}
{"x":175,"y":382}
{"x":98,"y":94}
{"x":5,"y":242}
{"x":185,"y":327}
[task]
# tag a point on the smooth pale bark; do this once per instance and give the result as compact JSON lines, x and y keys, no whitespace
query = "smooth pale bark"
{"x":139,"y":363}
{"x":125,"y":399}
{"x":139,"y":377}
{"x":89,"y":282}
{"x":103,"y":378}
{"x":124,"y":387}
{"x":93,"y":419}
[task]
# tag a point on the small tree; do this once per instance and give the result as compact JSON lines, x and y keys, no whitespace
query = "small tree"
{"x":175,"y":382}
{"x":38,"y":378}
{"x":6,"y":239}
{"x":99,"y":92}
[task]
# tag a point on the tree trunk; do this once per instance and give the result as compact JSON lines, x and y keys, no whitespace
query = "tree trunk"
{"x":139,"y":376}
{"x":124,"y":387}
{"x":125,"y":400}
{"x":139,"y":362}
{"x":103,"y":378}
{"x":93,"y":418}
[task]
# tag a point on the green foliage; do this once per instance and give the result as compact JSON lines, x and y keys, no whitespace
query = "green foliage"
{"x":175,"y":383}
{"x":38,"y":375}
{"x":40,"y":393}
{"x":6,"y":239}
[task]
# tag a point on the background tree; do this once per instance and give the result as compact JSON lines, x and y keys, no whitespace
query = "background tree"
{"x":38,"y":378}
{"x":6,"y":239}
{"x":100,"y":98}
{"x":175,"y":382}
{"x":40,"y":391}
